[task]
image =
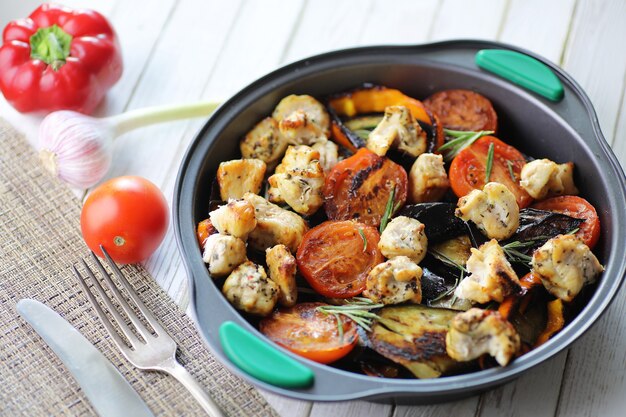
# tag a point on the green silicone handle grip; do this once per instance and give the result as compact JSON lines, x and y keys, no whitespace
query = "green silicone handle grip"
{"x":262,"y":361}
{"x":521,"y":70}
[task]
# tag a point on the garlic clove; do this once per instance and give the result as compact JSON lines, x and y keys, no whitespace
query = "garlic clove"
{"x":76,"y":148}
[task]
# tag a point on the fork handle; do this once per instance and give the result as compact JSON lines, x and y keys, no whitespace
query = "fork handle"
{"x":184,"y":377}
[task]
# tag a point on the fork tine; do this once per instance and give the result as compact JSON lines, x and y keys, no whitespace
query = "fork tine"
{"x":143,"y":331}
{"x":103,"y":317}
{"x":144,"y":310}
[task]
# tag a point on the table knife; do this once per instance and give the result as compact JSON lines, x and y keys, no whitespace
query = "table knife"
{"x":107,"y":390}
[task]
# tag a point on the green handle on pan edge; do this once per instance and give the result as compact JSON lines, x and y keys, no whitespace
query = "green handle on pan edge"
{"x":262,"y":361}
{"x":522,"y":70}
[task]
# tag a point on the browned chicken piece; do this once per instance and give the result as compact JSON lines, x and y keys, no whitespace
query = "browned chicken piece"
{"x":264,"y":142}
{"x":543,"y":178}
{"x":565,"y":265}
{"x":398,"y":129}
{"x":223,"y":253}
{"x":491,"y":276}
{"x":428,"y":180}
{"x":393,"y":282}
{"x":476,"y":332}
{"x":274,"y":225}
{"x":302,"y":119}
{"x":240,"y":176}
{"x":404,"y":236}
{"x":299,"y":180}
{"x":493,"y":210}
{"x":236,"y":218}
{"x":329,"y":154}
{"x":282,"y":268}
{"x":248,"y":289}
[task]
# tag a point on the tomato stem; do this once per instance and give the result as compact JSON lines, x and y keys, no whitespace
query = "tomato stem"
{"x":119,"y":241}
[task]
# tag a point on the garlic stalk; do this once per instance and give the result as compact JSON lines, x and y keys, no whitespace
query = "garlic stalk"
{"x":78,"y":149}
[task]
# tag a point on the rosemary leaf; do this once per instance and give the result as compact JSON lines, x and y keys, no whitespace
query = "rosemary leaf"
{"x":446,"y":292}
{"x":509,"y":164}
{"x":573,"y":231}
{"x":339,"y":327}
{"x":443,"y":258}
{"x":461,"y":141}
{"x":388,"y":210}
{"x":489,"y":163}
{"x":364,"y":239}
{"x":362,"y":133}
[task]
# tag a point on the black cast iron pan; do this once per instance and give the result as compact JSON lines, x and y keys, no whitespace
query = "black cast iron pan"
{"x":566,"y":130}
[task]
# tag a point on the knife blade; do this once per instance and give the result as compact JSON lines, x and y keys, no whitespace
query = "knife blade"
{"x":107,"y":390}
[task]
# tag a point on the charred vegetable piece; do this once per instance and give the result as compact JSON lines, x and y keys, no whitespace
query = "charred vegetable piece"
{"x":456,"y":249}
{"x":555,"y":322}
{"x":538,"y":226}
{"x":579,"y":208}
{"x":468,"y":170}
{"x":204,"y":230}
{"x":359,"y":188}
{"x":374,"y":99}
{"x":463,"y":110}
{"x":308,"y":332}
{"x":441,"y":223}
{"x":414,"y":336}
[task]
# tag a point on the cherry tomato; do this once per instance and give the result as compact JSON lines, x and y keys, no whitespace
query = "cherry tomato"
{"x":310,"y":333}
{"x":574,"y":206}
{"x":468,"y":169}
{"x":463,"y":110}
{"x":336,"y":256}
{"x":359,"y":187}
{"x":128,"y":216}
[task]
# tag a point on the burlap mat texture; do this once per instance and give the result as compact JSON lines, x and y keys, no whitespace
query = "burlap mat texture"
{"x":39,"y":240}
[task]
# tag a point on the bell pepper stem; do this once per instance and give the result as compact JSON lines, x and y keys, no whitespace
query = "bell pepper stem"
{"x":134,"y":119}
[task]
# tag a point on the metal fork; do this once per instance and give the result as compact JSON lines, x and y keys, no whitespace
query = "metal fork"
{"x":155,"y":352}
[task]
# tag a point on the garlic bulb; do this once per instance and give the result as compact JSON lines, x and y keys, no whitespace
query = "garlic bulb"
{"x":78,"y":149}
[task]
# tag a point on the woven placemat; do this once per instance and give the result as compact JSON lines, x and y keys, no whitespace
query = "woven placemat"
{"x":39,"y":240}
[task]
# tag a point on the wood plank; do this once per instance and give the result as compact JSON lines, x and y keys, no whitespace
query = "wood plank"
{"x":351,"y":409}
{"x":538,"y":25}
{"x":463,"y":408}
{"x":534,"y":394}
{"x":287,"y":406}
{"x":138,"y":28}
{"x":479,"y":19}
{"x":328,"y":25}
{"x":255,"y":45}
{"x":619,"y":134}
{"x":399,"y":22}
{"x":595,"y":56}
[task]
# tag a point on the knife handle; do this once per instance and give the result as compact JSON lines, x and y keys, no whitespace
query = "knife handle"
{"x":176,"y":370}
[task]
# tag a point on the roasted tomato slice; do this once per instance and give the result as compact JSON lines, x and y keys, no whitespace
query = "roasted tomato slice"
{"x":310,"y":333}
{"x":359,"y":187}
{"x":578,"y":207}
{"x":463,"y":110}
{"x":336,"y":256}
{"x":467,"y":171}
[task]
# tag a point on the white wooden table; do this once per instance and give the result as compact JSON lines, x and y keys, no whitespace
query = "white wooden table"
{"x":186,"y":50}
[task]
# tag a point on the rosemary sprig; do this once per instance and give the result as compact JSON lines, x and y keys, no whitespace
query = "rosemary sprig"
{"x":388,"y":210}
{"x":489,"y":163}
{"x":443,"y":258}
{"x":446,"y":292}
{"x":357,"y":309}
{"x":364,"y":239}
{"x":460,"y":141}
{"x":573,"y":231}
{"x":509,"y":164}
{"x":511,"y":250}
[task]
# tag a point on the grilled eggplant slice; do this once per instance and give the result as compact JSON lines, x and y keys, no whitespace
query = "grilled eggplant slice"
{"x":538,"y":226}
{"x":415,"y":337}
{"x":439,"y":219}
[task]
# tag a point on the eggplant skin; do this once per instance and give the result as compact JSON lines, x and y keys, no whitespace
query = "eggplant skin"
{"x":541,"y":225}
{"x":439,"y":219}
{"x":415,"y":337}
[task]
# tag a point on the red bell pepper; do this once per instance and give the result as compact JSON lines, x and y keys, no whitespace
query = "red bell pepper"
{"x":59,"y":58}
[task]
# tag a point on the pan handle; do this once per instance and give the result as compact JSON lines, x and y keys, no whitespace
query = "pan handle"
{"x":262,"y":361}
